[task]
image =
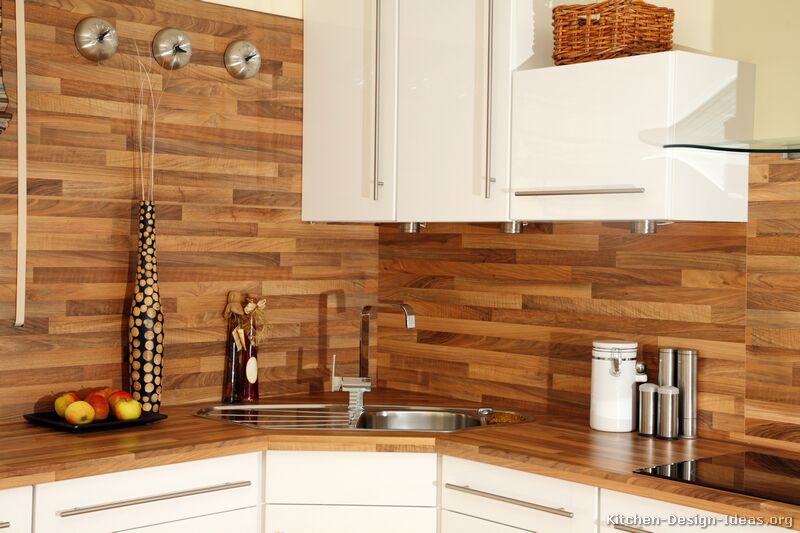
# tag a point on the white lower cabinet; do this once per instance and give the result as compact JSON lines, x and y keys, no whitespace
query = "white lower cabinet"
{"x":238,"y":521}
{"x":502,"y":496}
{"x":16,"y":510}
{"x":461,"y":523}
{"x":350,"y":492}
{"x":349,"y":519}
{"x":633,"y":514}
{"x":152,"y":497}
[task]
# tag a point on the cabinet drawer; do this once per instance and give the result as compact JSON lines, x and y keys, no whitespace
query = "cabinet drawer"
{"x":518,"y":499}
{"x":641,"y":515}
{"x":136,"y":498}
{"x":351,"y":478}
{"x":349,"y":519}
{"x":16,"y":510}
{"x":461,"y":523}
{"x":240,"y":521}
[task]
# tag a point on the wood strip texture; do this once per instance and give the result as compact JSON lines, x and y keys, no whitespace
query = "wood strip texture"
{"x":509,"y":319}
{"x":227,"y":190}
{"x":772,"y":399}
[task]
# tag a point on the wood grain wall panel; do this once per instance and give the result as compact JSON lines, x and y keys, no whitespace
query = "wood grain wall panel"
{"x":772,"y":400}
{"x":228,"y":183}
{"x":509,"y":319}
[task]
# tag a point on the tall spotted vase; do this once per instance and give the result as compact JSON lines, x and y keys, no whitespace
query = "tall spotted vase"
{"x":146,"y":336}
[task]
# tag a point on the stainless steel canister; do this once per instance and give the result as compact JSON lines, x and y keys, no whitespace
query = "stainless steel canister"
{"x":687,"y":383}
{"x":668,"y":367}
{"x":667,"y":412}
{"x":648,"y":409}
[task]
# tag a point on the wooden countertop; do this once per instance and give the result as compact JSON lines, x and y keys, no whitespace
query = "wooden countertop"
{"x":549,"y":446}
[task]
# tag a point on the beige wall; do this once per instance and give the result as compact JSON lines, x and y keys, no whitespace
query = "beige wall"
{"x":762,"y":32}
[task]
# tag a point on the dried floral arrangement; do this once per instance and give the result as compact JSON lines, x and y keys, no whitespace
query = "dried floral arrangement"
{"x":147,"y":101}
{"x":251,"y":313}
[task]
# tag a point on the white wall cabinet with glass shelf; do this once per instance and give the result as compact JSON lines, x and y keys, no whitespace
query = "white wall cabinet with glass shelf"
{"x":588,"y":139}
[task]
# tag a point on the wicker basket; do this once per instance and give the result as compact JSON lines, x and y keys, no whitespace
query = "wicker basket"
{"x":615,"y":28}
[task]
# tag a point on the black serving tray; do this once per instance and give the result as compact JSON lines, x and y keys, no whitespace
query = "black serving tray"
{"x":52,"y":420}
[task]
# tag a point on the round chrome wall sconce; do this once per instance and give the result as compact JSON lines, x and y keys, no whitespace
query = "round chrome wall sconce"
{"x":96,"y":39}
{"x":172,"y":49}
{"x":242,"y":59}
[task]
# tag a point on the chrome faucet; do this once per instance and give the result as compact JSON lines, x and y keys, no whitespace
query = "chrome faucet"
{"x":357,"y":386}
{"x":366,"y":317}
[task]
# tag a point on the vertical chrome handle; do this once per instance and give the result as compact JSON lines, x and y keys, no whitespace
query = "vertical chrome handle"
{"x":5,"y":525}
{"x":628,"y":529}
{"x":489,"y":88}
{"x":376,"y":182}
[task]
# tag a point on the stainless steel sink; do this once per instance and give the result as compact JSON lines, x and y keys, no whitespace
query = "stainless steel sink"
{"x":398,"y":420}
{"x":334,"y":417}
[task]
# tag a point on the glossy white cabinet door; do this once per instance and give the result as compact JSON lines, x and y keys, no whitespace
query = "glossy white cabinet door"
{"x":443,"y":104}
{"x":599,"y":126}
{"x":238,"y":521}
{"x":351,"y":478}
{"x":343,"y":112}
{"x":349,"y":519}
{"x":16,"y":510}
{"x":517,"y":499}
{"x":617,"y":507}
{"x":147,"y":496}
{"x":461,"y":523}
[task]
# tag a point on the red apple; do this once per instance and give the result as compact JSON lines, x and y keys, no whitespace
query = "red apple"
{"x":117,"y":396}
{"x":108,"y":391}
{"x":127,"y":409}
{"x":94,"y":394}
{"x":63,"y":401}
{"x":99,"y":404}
{"x":79,"y":413}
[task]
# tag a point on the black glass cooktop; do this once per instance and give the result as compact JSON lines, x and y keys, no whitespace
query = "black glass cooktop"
{"x":754,"y":474}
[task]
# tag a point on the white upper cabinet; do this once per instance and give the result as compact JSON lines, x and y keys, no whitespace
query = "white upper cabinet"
{"x":588,"y":139}
{"x":454,"y":75}
{"x":343,"y":180}
{"x":407,"y":108}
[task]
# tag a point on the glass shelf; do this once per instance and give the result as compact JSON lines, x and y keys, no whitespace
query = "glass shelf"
{"x":756,"y":146}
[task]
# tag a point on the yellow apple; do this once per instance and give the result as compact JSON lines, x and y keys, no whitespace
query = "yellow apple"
{"x":79,"y":413}
{"x":127,"y":409}
{"x":63,"y":401}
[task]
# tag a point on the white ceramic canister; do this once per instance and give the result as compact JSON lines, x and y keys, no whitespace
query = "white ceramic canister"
{"x":614,"y":382}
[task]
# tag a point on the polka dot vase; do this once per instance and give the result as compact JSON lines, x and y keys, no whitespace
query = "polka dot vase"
{"x":146,"y":335}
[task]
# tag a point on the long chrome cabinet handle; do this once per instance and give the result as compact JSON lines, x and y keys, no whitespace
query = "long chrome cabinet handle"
{"x":512,"y":501}
{"x":576,"y":192}
{"x":628,"y":529}
{"x":376,"y":181}
{"x":5,"y":525}
{"x":149,"y":499}
{"x":489,"y":89}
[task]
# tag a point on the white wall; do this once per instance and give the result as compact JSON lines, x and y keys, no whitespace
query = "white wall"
{"x":286,"y":8}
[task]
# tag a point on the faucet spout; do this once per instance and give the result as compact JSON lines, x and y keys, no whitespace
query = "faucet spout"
{"x":367,"y":312}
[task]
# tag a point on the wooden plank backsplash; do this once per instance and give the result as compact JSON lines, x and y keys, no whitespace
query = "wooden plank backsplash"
{"x":509,"y":319}
{"x":772,"y":400}
{"x":503,"y":319}
{"x":228,"y":170}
